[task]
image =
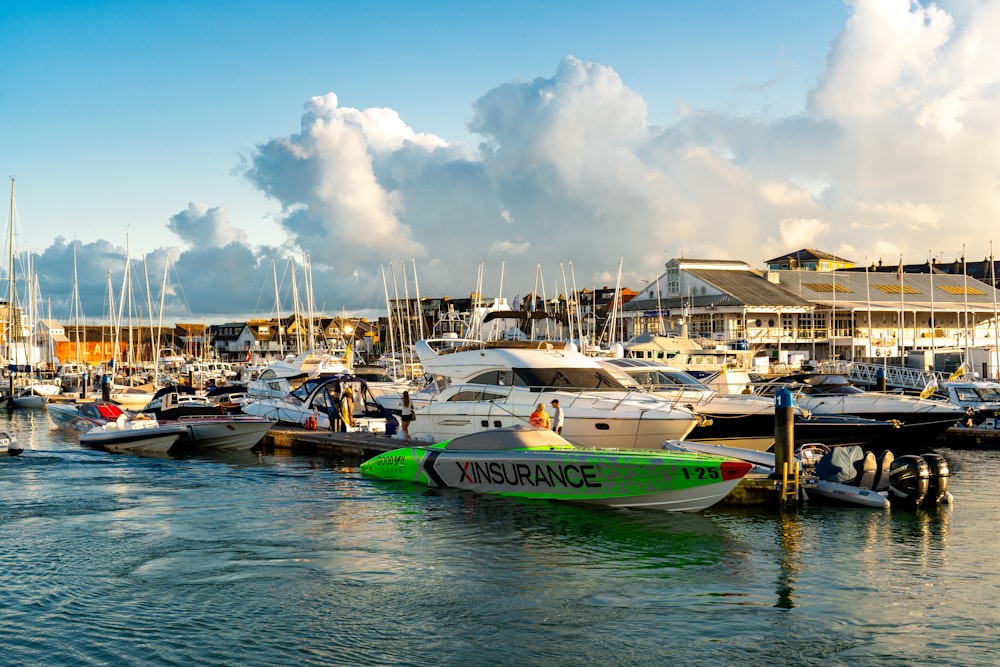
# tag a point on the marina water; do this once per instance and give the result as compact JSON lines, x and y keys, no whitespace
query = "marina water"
{"x":113,"y":559}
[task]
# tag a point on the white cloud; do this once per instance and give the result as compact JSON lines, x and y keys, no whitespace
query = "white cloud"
{"x":797,"y":234}
{"x":202,"y":226}
{"x":508,"y":248}
{"x":900,"y":143}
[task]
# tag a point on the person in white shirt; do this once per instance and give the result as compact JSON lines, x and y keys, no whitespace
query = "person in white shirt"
{"x":557,"y":416}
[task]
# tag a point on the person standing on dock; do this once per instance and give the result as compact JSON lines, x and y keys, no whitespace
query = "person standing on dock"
{"x":406,"y":415}
{"x":348,"y":406}
{"x":557,"y":416}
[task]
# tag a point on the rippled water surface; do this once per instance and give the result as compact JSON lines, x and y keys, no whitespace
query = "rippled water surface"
{"x":113,"y":559}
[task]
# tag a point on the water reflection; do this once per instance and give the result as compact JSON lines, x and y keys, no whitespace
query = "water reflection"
{"x":789,"y":565}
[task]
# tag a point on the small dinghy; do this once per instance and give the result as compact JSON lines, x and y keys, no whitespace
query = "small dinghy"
{"x":847,"y":474}
{"x":8,"y":444}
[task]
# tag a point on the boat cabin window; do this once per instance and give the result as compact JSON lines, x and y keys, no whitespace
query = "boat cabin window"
{"x":466,"y":395}
{"x":500,"y":378}
{"x":571,"y":379}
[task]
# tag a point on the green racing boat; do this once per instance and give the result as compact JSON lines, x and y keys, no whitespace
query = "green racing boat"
{"x":526,"y":462}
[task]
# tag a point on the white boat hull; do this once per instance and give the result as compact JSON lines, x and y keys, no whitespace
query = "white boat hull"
{"x":141,"y":437}
{"x":233,"y":434}
{"x":846,"y":493}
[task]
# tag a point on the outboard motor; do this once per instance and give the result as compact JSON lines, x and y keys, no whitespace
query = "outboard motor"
{"x":909,"y":479}
{"x":937,"y":487}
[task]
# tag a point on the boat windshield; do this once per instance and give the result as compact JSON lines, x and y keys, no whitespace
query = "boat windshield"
{"x":663,"y":380}
{"x":978,"y":394}
{"x":302,"y":391}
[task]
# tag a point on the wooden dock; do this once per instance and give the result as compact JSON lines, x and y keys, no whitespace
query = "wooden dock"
{"x":972,"y":437}
{"x":355,"y":445}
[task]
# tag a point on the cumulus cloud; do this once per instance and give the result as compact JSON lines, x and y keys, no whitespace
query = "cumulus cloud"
{"x":899,"y":141}
{"x":202,"y":226}
{"x":802,"y":233}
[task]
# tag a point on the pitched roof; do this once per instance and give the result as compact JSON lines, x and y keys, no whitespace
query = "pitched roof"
{"x":749,"y":288}
{"x":739,"y":288}
{"x":806,"y":254}
{"x":854,"y":289}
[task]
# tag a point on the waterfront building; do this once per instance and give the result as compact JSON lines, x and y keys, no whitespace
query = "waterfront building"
{"x":793,"y":315}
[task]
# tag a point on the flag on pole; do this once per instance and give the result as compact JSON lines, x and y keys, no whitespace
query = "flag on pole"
{"x":899,"y":270}
{"x":929,"y":388}
{"x":957,"y":373}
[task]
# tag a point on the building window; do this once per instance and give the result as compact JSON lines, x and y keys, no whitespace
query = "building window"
{"x":673,"y":280}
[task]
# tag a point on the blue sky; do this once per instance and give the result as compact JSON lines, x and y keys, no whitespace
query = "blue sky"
{"x":519,"y":136}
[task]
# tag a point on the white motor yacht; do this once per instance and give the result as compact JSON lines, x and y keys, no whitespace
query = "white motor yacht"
{"x":981,"y":397}
{"x":498,"y":384}
{"x":282,"y":377}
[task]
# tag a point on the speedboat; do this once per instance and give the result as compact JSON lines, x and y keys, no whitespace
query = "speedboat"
{"x":744,"y":420}
{"x":141,"y":435}
{"x":524,"y":462}
{"x":84,"y":416}
{"x":498,"y":384}
{"x":921,"y":420}
{"x":206,"y":424}
{"x":316,"y":404}
{"x":8,"y":444}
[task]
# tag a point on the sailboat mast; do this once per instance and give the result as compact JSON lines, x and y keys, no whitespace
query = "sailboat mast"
{"x":11,"y":285}
{"x":277,"y":307}
{"x":965,"y":292}
{"x":159,"y":324}
{"x":295,"y":309}
{"x":406,"y":295}
{"x":996,"y":323}
{"x":310,"y":305}
{"x":392,"y":340}
{"x":76,"y":310}
{"x":420,"y":311}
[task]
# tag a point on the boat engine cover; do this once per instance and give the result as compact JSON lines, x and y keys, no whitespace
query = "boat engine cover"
{"x":937,"y":486}
{"x":909,"y":479}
